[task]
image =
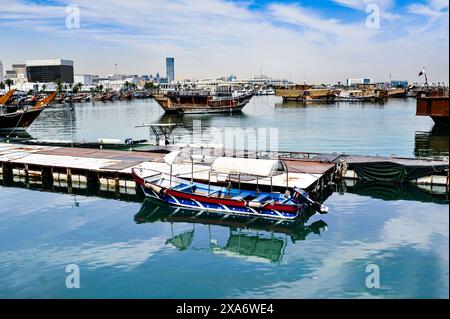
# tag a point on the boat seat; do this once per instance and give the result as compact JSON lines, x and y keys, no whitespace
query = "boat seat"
{"x":215,"y":192}
{"x":285,"y":201}
{"x":260,"y":198}
{"x":241,"y":195}
{"x":185,"y":188}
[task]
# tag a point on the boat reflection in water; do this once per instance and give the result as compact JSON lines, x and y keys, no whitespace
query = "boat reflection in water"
{"x":256,"y":239}
{"x":433,"y":143}
{"x":396,"y":192}
{"x":301,"y":104}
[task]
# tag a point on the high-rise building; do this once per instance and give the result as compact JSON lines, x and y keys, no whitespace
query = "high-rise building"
{"x":1,"y":71}
{"x":50,"y":70}
{"x":170,"y":69}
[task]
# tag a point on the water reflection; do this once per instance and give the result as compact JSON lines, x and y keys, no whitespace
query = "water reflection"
{"x":432,"y":143}
{"x":395,"y":192}
{"x":259,"y":239}
{"x":301,"y":104}
{"x":305,"y":104}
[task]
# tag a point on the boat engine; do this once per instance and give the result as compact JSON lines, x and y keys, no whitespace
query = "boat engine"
{"x":301,"y":197}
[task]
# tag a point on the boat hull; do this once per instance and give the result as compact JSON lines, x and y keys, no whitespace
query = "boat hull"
{"x":179,"y":199}
{"x":201,"y":104}
{"x":435,"y":107}
{"x":303,"y":93}
{"x":18,"y":121}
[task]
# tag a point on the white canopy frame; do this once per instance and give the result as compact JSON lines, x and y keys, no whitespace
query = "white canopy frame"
{"x":259,"y":168}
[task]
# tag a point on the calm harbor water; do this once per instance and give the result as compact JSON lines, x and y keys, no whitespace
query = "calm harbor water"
{"x":134,"y":250}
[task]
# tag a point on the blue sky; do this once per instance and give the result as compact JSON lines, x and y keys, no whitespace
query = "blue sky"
{"x":313,"y":40}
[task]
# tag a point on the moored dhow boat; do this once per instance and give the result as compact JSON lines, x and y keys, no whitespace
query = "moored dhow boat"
{"x":189,"y":194}
{"x":362,"y":93}
{"x":100,"y":97}
{"x":399,"y":92}
{"x":305,"y":93}
{"x":196,"y":102}
{"x":437,"y":107}
{"x":15,"y":118}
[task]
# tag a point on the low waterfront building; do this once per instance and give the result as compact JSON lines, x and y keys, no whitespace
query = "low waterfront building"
{"x":397,"y":83}
{"x":21,"y":72}
{"x":10,"y":74}
{"x":357,"y":81}
{"x":50,"y":70}
{"x":85,"y":79}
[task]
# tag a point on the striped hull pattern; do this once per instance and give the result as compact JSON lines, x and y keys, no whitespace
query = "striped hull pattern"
{"x":220,"y":205}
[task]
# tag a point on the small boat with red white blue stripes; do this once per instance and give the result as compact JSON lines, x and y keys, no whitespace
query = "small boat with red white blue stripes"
{"x":189,"y":194}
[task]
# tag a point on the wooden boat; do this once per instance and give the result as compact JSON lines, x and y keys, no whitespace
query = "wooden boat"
{"x":202,"y":102}
{"x":125,"y":96}
{"x":99,"y":97}
{"x":14,"y":118}
{"x":356,"y":95}
{"x":32,"y":100}
{"x":397,"y":92}
{"x":109,"y":96}
{"x":434,"y":106}
{"x":188,"y":194}
{"x":78,"y":98}
{"x":305,"y":93}
{"x":362,"y":93}
{"x":59,"y":99}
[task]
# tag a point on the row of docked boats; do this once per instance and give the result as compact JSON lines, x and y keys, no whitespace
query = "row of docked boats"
{"x":99,"y":97}
{"x":360,"y":93}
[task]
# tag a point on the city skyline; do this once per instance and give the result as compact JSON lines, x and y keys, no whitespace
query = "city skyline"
{"x":307,"y":41}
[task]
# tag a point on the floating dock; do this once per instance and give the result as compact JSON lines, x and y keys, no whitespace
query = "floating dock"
{"x":76,"y":166}
{"x":111,"y":169}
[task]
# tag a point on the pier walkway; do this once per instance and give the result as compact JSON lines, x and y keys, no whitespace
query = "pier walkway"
{"x":112,"y":168}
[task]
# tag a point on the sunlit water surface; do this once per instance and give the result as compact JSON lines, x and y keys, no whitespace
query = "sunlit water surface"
{"x":130,"y":250}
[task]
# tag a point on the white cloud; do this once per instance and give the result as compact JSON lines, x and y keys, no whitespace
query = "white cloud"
{"x":217,"y":37}
{"x":362,"y":4}
{"x":433,"y":9}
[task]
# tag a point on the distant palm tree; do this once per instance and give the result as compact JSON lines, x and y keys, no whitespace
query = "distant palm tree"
{"x":44,"y":87}
{"x":9,"y":82}
{"x":149,"y":86}
{"x":2,"y":86}
{"x":100,"y":88}
{"x":77,"y":87}
{"x":58,"y":85}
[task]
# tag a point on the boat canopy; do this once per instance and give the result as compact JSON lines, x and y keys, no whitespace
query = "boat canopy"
{"x":245,"y":166}
{"x":171,"y":158}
